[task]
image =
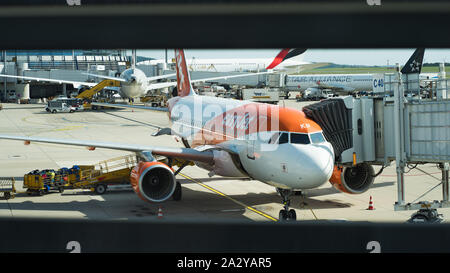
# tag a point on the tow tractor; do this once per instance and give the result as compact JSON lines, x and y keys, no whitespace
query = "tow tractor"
{"x":155,"y":100}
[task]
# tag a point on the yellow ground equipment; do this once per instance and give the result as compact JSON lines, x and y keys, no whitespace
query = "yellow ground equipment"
{"x":109,"y":172}
{"x":155,"y":100}
{"x":115,"y":171}
{"x":42,"y":182}
{"x":7,"y":187}
{"x":88,"y":93}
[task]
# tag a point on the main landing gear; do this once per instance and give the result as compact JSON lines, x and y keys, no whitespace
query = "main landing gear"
{"x":178,"y":192}
{"x":286,"y":214}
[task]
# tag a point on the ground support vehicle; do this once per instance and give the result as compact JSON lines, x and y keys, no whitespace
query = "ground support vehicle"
{"x":98,"y":177}
{"x":155,"y":100}
{"x":7,"y":187}
{"x":42,"y":182}
{"x":88,"y":94}
{"x":59,"y":106}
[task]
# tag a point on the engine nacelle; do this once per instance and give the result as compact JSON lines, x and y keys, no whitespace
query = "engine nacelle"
{"x":153,"y":181}
{"x":354,"y":180}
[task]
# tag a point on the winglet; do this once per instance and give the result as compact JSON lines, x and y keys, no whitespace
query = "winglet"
{"x":184,"y":86}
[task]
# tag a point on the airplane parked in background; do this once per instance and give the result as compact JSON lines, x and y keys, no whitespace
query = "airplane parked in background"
{"x":133,"y":81}
{"x":346,"y":84}
{"x":287,"y":60}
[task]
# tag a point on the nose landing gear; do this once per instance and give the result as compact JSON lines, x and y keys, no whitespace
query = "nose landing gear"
{"x":286,"y":214}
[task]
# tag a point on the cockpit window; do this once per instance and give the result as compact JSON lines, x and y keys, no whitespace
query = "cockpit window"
{"x":284,"y":138}
{"x":279,"y":138}
{"x":273,"y":139}
{"x":317,"y":138}
{"x":299,"y":138}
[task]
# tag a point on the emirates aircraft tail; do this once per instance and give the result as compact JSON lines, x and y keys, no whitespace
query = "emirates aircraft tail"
{"x":184,"y":86}
{"x":285,"y":54}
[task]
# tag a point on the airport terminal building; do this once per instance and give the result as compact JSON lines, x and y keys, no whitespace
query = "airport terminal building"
{"x":55,"y":64}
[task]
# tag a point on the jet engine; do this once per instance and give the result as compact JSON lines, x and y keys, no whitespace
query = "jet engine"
{"x":153,"y":181}
{"x":356,"y":179}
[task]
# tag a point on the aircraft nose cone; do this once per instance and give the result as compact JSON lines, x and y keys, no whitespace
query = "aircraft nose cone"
{"x":319,"y":165}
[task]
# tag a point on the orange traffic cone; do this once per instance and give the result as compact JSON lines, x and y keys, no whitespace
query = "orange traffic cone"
{"x":370,"y":204}
{"x":160,"y":213}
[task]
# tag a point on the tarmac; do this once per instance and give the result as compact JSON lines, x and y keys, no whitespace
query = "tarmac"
{"x":203,"y":197}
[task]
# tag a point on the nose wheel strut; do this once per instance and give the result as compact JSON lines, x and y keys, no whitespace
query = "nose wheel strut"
{"x":286,"y":214}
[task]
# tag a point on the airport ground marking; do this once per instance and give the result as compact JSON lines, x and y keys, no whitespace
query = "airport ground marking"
{"x":230,"y":198}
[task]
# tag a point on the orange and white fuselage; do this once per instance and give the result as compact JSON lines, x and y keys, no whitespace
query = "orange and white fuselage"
{"x":279,"y":146}
{"x":276,"y":145}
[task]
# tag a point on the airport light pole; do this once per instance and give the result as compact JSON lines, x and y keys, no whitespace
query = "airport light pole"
{"x":166,"y":56}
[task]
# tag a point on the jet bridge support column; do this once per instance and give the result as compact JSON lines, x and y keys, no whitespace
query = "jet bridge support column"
{"x":399,"y":137}
{"x":445,"y":177}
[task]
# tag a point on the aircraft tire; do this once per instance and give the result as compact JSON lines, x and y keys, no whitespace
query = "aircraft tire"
{"x":283,"y":215}
{"x":292,"y":215}
{"x":177,"y":193}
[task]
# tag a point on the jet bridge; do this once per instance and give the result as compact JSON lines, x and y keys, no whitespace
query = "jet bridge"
{"x":401,"y":124}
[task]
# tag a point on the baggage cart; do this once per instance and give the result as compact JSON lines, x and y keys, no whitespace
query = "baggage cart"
{"x":7,"y":187}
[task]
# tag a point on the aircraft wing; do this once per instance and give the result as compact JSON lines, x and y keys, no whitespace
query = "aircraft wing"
{"x":182,"y":153}
{"x":159,"y":85}
{"x":294,"y":69}
{"x":154,"y":78}
{"x":124,"y":106}
{"x":106,"y":77}
{"x":75,"y":83}
{"x":231,"y":76}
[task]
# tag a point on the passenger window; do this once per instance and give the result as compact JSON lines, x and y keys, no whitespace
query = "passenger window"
{"x":299,"y":138}
{"x":317,"y":138}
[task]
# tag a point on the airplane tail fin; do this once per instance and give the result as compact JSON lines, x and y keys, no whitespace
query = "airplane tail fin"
{"x":285,"y":54}
{"x":414,"y":64}
{"x":184,"y":86}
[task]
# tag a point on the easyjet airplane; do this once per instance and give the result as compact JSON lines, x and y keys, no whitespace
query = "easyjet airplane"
{"x":276,"y":145}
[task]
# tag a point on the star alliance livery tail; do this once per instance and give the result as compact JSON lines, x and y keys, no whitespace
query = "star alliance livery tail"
{"x":184,"y":86}
{"x":414,"y":64}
